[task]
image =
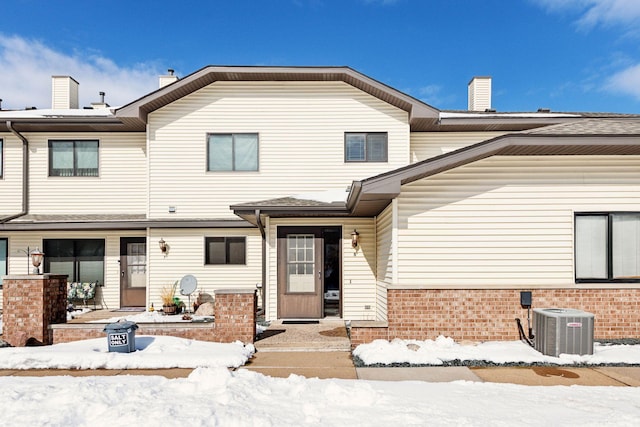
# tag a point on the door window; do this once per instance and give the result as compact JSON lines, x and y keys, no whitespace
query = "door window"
{"x":300,"y":263}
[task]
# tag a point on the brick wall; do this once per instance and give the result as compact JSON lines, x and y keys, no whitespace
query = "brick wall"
{"x":78,"y":331}
{"x":30,"y":304}
{"x":235,"y":314}
{"x":235,"y":320}
{"x":483,"y":315}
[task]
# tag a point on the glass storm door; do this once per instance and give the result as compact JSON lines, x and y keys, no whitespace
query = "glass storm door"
{"x":133,"y":272}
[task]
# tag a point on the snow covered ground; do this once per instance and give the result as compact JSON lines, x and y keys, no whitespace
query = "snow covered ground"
{"x":212,"y":395}
{"x":443,"y":350}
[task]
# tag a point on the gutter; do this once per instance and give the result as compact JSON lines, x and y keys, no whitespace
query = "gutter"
{"x":25,"y":174}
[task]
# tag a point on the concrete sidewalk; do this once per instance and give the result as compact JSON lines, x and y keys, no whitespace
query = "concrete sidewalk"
{"x":338,"y":364}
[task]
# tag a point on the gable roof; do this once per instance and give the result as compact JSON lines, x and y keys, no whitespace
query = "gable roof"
{"x":136,"y":113}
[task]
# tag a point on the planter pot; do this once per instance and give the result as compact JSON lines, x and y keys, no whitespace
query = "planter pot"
{"x":169,"y":309}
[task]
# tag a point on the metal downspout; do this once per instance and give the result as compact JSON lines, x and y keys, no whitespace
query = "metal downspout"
{"x":264,"y":259}
{"x":25,"y":174}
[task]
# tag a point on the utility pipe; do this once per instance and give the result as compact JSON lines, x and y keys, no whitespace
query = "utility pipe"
{"x":25,"y":173}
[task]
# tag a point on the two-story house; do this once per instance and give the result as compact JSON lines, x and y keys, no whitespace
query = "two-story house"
{"x":340,"y":195}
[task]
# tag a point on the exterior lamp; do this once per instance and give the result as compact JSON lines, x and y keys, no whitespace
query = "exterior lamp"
{"x":355,"y":239}
{"x":163,"y":246}
{"x":36,"y":260}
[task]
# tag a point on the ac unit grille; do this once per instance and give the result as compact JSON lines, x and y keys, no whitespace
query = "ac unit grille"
{"x":563,"y":330}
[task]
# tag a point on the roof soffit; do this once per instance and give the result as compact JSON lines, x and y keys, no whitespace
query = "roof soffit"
{"x":138,"y":110}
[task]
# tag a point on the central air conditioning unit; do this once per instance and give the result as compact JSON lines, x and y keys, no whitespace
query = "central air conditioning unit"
{"x":563,"y":330}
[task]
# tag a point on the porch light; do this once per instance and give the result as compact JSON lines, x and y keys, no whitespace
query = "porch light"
{"x":36,"y":260}
{"x":163,"y":246}
{"x":355,"y":239}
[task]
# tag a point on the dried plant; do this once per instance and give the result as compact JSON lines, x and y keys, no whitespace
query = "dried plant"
{"x":167,"y":294}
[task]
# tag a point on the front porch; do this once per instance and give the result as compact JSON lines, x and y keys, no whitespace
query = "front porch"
{"x":34,"y":313}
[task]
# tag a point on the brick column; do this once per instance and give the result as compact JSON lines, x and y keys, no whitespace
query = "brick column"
{"x":30,"y":303}
{"x":235,"y":315}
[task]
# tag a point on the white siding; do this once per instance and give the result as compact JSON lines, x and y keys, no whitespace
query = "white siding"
{"x":121,"y":186}
{"x":358,"y":268}
{"x":425,"y":145}
{"x":11,"y":181}
{"x":301,"y":128}
{"x":186,"y":255}
{"x":507,"y":221}
{"x":384,"y":237}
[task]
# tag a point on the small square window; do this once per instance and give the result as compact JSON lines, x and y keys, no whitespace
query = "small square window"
{"x":366,"y":147}
{"x":225,"y":250}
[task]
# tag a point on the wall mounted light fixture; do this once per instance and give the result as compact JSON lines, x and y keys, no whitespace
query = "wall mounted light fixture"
{"x":36,"y":260}
{"x":355,"y":239}
{"x":163,"y":246}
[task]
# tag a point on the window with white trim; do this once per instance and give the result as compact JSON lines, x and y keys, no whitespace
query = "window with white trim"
{"x":1,"y":158}
{"x":73,"y":158}
{"x":365,"y":147}
{"x":232,"y":152}
{"x":607,"y":247}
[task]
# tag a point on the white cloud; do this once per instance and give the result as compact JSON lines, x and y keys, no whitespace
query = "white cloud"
{"x":591,"y":13}
{"x":27,"y":67}
{"x":626,"y":81}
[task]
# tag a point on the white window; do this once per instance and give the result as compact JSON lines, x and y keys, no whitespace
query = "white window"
{"x":607,"y":247}
{"x":1,"y":159}
{"x":232,"y":152}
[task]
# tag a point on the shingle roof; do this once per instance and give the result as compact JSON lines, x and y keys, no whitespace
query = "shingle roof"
{"x":592,"y":126}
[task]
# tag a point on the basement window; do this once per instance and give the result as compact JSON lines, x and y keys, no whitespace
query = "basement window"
{"x":607,"y":247}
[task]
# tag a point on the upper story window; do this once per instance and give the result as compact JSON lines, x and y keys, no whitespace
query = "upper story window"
{"x":607,"y":247}
{"x":232,"y":152}
{"x":365,"y":147}
{"x":73,"y":158}
{"x":1,"y":158}
{"x":225,"y":250}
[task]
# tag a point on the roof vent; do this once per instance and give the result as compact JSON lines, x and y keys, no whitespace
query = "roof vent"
{"x":64,"y":92}
{"x":479,"y":91}
{"x":169,"y":78}
{"x":0,"y":103}
{"x":101,"y":104}
{"x":489,"y":110}
{"x":544,"y":110}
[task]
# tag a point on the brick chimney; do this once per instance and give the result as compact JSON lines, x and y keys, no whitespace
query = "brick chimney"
{"x":480,"y":94}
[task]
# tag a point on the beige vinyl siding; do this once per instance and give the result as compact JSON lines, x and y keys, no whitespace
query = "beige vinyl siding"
{"x":425,"y":145}
{"x":301,"y":127}
{"x":121,"y":186}
{"x":507,"y":221}
{"x":19,"y":241}
{"x":358,"y":268}
{"x":384,"y":237}
{"x":186,"y":255}
{"x":11,"y":180}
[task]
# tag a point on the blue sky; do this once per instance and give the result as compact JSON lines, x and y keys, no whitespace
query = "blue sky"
{"x":567,"y":55}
